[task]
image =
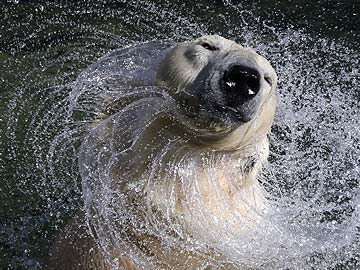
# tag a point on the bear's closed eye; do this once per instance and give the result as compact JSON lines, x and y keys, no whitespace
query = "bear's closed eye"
{"x":268,"y":80}
{"x":209,"y":47}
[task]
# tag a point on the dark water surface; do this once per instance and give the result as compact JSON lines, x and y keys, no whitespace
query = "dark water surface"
{"x":45,"y":45}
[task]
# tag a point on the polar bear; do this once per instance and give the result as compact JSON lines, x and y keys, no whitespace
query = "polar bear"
{"x":182,"y":153}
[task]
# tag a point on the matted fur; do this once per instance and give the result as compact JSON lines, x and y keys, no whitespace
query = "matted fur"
{"x":185,"y":166}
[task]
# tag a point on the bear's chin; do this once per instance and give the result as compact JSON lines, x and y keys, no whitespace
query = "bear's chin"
{"x":215,"y":125}
{"x":216,"y":118}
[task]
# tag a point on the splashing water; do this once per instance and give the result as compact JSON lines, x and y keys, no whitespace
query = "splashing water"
{"x":312,"y":177}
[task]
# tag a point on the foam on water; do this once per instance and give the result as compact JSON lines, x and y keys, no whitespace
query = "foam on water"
{"x":312,"y":177}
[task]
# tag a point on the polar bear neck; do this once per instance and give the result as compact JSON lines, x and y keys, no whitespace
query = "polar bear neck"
{"x":204,"y":186}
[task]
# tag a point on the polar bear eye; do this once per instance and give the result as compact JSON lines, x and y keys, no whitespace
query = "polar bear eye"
{"x":209,"y":47}
{"x":268,"y":80}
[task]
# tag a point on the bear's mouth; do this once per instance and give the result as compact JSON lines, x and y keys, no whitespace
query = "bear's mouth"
{"x":233,"y":114}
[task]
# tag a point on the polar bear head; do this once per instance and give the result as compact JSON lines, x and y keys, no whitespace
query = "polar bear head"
{"x":220,"y":83}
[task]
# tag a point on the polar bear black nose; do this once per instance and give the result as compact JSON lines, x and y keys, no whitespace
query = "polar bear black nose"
{"x":241,"y":82}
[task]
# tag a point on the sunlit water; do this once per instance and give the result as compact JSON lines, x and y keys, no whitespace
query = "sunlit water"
{"x":56,"y":104}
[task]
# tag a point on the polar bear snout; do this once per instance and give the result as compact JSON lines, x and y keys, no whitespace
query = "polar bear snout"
{"x":240,"y":82}
{"x":240,"y":86}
